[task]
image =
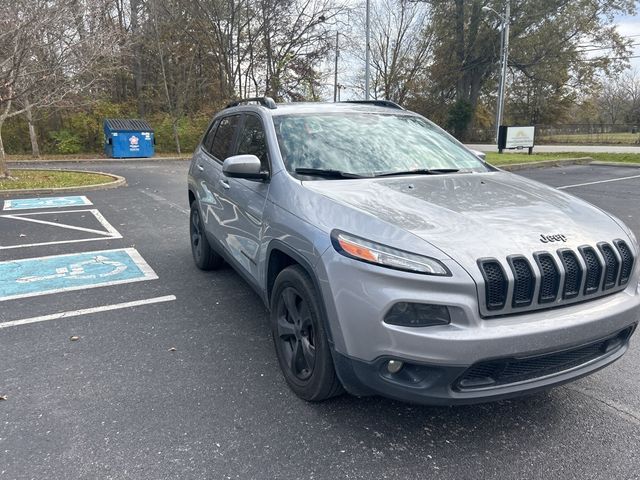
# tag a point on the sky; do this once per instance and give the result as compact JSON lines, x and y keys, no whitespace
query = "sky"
{"x":630,"y":27}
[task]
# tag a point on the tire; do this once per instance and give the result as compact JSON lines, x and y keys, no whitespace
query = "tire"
{"x":300,"y":337}
{"x":204,"y":256}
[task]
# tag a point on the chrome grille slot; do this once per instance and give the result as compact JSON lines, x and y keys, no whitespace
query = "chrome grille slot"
{"x":627,"y":261}
{"x":612,"y":265}
{"x":495,"y":283}
{"x":550,"y":277}
{"x":524,"y":281}
{"x":573,"y":274}
{"x":594,"y":270}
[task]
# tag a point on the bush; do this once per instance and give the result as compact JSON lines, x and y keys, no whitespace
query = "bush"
{"x":66,"y":142}
{"x":189,"y":131}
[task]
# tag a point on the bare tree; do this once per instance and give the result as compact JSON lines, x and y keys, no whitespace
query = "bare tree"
{"x":45,"y":60}
{"x":401,"y":43}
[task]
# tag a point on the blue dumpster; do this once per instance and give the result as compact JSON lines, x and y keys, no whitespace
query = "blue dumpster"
{"x":128,"y":138}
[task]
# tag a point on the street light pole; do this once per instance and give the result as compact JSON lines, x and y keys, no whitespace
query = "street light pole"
{"x":504,"y":57}
{"x":367,"y":53}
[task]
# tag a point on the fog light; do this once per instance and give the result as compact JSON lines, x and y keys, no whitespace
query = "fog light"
{"x":417,"y":315}
{"x":394,"y":366}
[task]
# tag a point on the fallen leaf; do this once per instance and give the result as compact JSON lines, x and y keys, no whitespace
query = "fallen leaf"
{"x":172,"y":349}
{"x":74,"y":338}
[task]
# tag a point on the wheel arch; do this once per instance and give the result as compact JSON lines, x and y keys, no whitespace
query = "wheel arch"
{"x":280,"y":256}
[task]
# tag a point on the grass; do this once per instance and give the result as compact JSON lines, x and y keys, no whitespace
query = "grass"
{"x":593,"y":138}
{"x":510,"y":158}
{"x":28,"y":179}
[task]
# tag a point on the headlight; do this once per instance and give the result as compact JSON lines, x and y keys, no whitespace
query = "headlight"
{"x":370,"y":252}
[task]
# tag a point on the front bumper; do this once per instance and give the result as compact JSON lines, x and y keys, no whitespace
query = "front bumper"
{"x":358,"y":295}
{"x":442,"y":385}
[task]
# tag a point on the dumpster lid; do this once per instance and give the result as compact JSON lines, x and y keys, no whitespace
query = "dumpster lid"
{"x":127,"y":124}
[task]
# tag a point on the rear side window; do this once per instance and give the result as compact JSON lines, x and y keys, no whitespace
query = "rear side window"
{"x":252,"y":140}
{"x":224,"y":137}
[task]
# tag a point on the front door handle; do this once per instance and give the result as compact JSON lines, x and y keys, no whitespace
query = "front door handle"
{"x":224,"y":184}
{"x":199,"y":167}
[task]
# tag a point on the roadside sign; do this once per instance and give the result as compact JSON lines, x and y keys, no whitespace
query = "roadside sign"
{"x":46,"y":202}
{"x":516,"y":138}
{"x":78,"y":271}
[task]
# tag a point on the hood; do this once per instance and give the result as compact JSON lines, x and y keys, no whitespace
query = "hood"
{"x":471,"y":216}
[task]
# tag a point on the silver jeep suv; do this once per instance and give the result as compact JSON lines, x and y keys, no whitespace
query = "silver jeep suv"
{"x":394,"y":261}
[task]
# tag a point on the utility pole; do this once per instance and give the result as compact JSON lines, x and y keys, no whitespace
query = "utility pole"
{"x":367,"y":54}
{"x":335,"y":74}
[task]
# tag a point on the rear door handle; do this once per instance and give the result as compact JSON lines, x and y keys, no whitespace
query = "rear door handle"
{"x":199,"y":167}
{"x":224,"y":184}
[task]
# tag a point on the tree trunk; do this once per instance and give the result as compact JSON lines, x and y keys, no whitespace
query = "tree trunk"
{"x":459,"y":47}
{"x":176,"y":136}
{"x":4,"y":171}
{"x":134,"y":5}
{"x":35,"y":149}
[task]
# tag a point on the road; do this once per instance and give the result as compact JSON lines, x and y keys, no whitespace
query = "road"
{"x":190,"y":388}
{"x":565,"y":148}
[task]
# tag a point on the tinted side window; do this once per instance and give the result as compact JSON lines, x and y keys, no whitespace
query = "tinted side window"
{"x":252,"y":140}
{"x":208,"y":139}
{"x":224,"y":137}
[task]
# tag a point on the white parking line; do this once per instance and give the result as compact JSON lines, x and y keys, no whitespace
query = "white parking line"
{"x":597,"y":181}
{"x":87,"y":311}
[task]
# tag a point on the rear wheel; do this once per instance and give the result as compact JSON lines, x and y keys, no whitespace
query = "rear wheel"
{"x":300,"y":337}
{"x":204,"y":256}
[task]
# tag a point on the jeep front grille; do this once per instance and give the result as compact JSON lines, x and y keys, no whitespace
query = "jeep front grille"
{"x":554,"y":278}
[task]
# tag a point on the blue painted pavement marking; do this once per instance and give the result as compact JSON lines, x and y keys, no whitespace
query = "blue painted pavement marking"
{"x":46,"y":202}
{"x":60,"y":273}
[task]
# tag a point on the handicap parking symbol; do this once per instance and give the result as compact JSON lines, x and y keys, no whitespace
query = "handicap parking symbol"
{"x":85,"y":270}
{"x":59,"y":273}
{"x":46,"y":202}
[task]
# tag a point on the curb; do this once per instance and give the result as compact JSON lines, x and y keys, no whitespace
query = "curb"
{"x":96,"y":160}
{"x":118,"y":181}
{"x":617,"y":164}
{"x":547,"y":163}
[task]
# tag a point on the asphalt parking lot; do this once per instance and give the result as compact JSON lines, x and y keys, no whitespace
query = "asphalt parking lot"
{"x":182,"y":381}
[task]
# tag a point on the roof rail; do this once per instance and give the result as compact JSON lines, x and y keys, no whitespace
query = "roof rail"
{"x":264,"y":101}
{"x":377,"y":103}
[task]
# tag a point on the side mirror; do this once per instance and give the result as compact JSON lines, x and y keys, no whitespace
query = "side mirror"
{"x":481,"y":155}
{"x":244,"y":166}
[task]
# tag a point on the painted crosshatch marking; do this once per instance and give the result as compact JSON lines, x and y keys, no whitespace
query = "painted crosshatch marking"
{"x":78,"y":271}
{"x":46,"y":202}
{"x":108,"y":233}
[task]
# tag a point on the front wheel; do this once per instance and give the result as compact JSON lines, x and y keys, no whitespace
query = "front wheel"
{"x":204,"y":256}
{"x":300,"y":337}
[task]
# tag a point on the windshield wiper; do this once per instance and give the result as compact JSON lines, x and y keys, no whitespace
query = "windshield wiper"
{"x":420,"y":171}
{"x":325,"y":172}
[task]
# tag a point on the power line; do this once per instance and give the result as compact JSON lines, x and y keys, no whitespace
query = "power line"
{"x":607,"y":58}
{"x":605,"y":48}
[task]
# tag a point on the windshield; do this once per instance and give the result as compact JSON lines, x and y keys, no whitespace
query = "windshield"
{"x":368,"y":144}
